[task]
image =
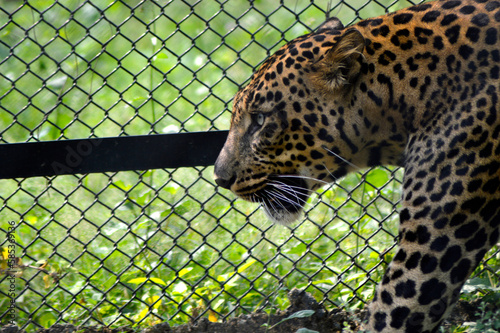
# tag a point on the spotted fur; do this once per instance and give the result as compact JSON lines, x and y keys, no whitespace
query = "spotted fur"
{"x":418,"y":88}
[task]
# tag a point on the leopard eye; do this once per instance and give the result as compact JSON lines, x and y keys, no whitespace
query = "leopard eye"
{"x":259,"y":119}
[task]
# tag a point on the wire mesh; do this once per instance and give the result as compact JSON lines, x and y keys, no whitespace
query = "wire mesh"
{"x":166,"y":245}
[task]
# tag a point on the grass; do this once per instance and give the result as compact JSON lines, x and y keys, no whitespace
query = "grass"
{"x":136,"y":248}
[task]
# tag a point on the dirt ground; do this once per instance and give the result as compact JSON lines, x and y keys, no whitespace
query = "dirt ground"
{"x":321,"y":321}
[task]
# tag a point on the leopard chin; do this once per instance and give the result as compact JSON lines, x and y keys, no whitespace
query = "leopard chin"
{"x":283,"y":198}
{"x":281,"y":216}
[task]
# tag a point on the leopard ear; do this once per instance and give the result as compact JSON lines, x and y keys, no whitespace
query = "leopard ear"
{"x":331,"y":23}
{"x":340,"y":66}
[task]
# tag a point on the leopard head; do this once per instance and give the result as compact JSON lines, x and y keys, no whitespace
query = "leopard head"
{"x":288,"y":133}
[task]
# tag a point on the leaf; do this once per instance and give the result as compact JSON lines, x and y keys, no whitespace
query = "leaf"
{"x":3,"y":264}
{"x":158,"y":281}
{"x":138,"y":101}
{"x":231,"y":278}
{"x":154,"y":301}
{"x":5,"y":253}
{"x":42,"y":263}
{"x":477,"y":284}
{"x":298,"y":249}
{"x":47,"y":281}
{"x":143,"y":280}
{"x":211,"y":316}
{"x":121,"y":185}
{"x":180,"y":288}
{"x":354,"y":276}
{"x":161,"y":61}
{"x":171,"y":189}
{"x":220,"y":303}
{"x":298,"y":314}
{"x":330,"y":281}
{"x":165,"y":213}
{"x":142,"y":314}
{"x":377,"y":178}
{"x":77,"y":287}
{"x":305,"y":330}
{"x":301,"y":314}
{"x":184,"y":271}
{"x":162,"y":55}
{"x":182,"y":208}
{"x":137,"y":280}
{"x":144,"y":198}
{"x":31,"y":219}
{"x":58,"y":82}
{"x":245,"y":266}
{"x":225,"y":277}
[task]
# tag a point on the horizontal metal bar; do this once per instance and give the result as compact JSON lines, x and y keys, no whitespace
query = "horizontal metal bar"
{"x":144,"y":152}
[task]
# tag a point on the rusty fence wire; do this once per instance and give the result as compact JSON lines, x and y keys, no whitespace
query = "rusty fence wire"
{"x":142,"y":247}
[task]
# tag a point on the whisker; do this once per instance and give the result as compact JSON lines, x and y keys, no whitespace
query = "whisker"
{"x":284,"y":191}
{"x":254,"y":198}
{"x":300,"y":200}
{"x":340,"y":157}
{"x":302,"y":177}
{"x":270,"y":202}
{"x":282,"y":196}
{"x":330,"y":173}
{"x":278,"y":196}
{"x":268,"y":209}
{"x":274,"y":199}
{"x":280,"y":199}
{"x":290,"y":188}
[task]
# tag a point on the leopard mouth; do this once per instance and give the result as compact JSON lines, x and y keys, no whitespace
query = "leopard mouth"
{"x":283,"y":198}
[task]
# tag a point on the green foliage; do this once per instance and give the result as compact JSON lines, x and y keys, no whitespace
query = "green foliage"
{"x":483,"y":291}
{"x":298,"y":314}
{"x":489,"y":320}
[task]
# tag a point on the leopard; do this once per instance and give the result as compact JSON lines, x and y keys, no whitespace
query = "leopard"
{"x":416,"y":88}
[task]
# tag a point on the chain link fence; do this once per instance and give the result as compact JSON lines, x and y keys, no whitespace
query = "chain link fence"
{"x":127,"y":248}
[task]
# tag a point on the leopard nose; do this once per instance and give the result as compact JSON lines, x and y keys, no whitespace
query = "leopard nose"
{"x":225,"y":182}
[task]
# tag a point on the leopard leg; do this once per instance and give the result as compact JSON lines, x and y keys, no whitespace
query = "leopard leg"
{"x":426,"y":275}
{"x":447,"y":224}
{"x":420,"y":287}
